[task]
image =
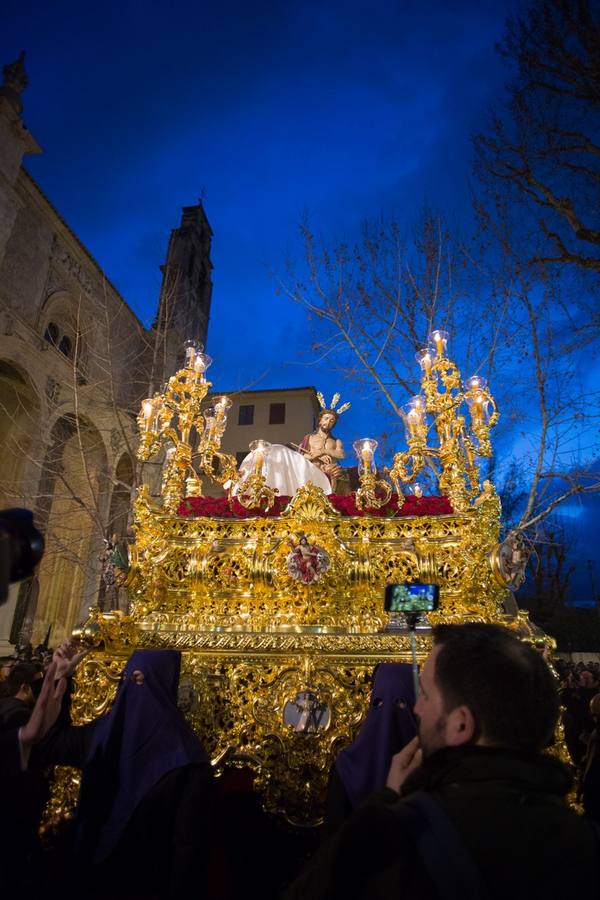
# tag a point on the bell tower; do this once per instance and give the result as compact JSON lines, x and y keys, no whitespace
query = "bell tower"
{"x":186,"y":289}
{"x":15,"y":142}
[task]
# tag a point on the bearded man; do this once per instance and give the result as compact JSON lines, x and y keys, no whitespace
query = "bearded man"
{"x":322,"y":448}
{"x":474,"y":806}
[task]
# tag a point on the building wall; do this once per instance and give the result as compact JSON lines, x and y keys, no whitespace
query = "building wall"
{"x":301,"y":413}
{"x":67,"y":406}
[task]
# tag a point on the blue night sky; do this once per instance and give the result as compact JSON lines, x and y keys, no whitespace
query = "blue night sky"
{"x":272,"y":111}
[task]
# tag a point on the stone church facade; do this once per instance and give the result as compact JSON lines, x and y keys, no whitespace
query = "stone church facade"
{"x":75,"y":362}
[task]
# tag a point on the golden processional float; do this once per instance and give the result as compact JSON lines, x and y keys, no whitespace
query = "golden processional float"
{"x":277,"y":605}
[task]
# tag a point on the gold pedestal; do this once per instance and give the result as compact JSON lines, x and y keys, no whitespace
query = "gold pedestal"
{"x":276,"y":672}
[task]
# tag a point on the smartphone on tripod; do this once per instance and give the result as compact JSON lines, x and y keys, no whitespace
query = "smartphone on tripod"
{"x":411,"y":598}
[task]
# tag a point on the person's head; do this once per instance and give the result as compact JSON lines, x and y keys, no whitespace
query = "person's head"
{"x":327,"y":419}
{"x":157,"y":669}
{"x":595,"y":706}
{"x":6,"y":664}
{"x":587,"y":679}
{"x":135,"y":677}
{"x":482,"y":685}
{"x":20,"y":682}
{"x":572,"y":681}
{"x":389,"y":725}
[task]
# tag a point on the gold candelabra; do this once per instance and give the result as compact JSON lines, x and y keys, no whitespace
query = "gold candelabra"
{"x":443,"y":397}
{"x":191,"y":437}
{"x":252,"y":489}
{"x":373,"y":492}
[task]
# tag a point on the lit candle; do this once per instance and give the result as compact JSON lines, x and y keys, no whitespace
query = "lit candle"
{"x":366,"y":454}
{"x":476,"y":382}
{"x":190,"y":353}
{"x":477,"y":408}
{"x":209,"y":419}
{"x":199,"y":364}
{"x":426,"y":358}
{"x":260,"y":449}
{"x":417,"y":490}
{"x":147,"y":410}
{"x":412,"y":420}
{"x":221,"y":407}
{"x":418,"y":404}
{"x":440,"y":339}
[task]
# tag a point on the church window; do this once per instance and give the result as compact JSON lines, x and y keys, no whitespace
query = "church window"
{"x":277,"y":414}
{"x":65,"y":345}
{"x":246,"y":415}
{"x":51,"y":333}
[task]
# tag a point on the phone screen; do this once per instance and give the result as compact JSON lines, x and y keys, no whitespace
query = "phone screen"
{"x":411,"y":597}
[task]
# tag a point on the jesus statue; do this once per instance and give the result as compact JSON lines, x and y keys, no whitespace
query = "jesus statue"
{"x":316,"y":460}
{"x":322,"y":448}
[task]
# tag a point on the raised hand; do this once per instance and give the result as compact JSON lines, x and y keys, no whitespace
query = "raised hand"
{"x":404,"y":764}
{"x":67,"y":659}
{"x":46,"y":709}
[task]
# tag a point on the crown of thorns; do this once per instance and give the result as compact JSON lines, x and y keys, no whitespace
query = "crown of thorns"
{"x":331,"y":408}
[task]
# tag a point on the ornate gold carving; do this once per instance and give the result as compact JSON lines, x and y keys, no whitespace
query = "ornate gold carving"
{"x":276,"y":669}
{"x":373,"y":492}
{"x":64,"y":792}
{"x":453,"y":458}
{"x":203,"y":574}
{"x":173,"y":420}
{"x":509,"y":561}
{"x":253,"y":492}
{"x":309,"y":502}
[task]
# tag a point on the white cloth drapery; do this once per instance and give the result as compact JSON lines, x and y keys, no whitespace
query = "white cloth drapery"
{"x":287,"y":470}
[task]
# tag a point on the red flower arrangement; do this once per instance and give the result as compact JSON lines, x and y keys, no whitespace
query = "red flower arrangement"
{"x":412,"y":506}
{"x":224,"y":508}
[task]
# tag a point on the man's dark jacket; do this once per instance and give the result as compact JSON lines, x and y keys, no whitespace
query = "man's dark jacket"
{"x":509,"y":811}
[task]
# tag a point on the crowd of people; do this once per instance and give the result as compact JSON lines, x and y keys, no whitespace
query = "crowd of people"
{"x":580,"y":699}
{"x":450,"y":793}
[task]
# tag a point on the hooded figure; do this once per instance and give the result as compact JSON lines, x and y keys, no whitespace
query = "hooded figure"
{"x":362,"y":767}
{"x":145,"y":804}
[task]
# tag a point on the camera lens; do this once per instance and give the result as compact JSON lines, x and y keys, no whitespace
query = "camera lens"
{"x":22,"y":544}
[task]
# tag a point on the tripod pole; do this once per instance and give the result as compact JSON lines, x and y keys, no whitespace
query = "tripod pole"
{"x":412,"y":624}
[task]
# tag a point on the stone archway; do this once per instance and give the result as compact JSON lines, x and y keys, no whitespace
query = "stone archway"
{"x":19,"y":427}
{"x":72,"y":501}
